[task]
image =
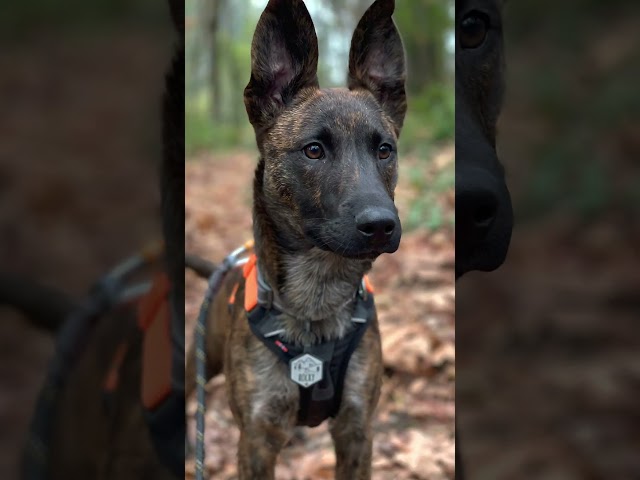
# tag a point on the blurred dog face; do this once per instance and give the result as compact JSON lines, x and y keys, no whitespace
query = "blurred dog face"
{"x":484,"y":217}
{"x":330,"y":155}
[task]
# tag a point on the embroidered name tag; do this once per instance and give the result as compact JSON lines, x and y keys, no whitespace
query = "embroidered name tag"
{"x":305,"y":370}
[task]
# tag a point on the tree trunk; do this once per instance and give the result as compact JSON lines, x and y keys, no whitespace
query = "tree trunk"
{"x":211,"y":13}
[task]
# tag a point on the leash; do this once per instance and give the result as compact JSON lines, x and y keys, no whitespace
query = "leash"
{"x":232,"y":260}
{"x":108,"y":292}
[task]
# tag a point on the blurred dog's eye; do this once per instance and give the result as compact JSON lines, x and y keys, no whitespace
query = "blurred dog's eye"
{"x":384,"y":151}
{"x":314,"y":151}
{"x":473,"y":30}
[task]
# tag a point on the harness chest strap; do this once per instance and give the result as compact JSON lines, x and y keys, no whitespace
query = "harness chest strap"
{"x":321,"y":399}
{"x":153,"y":320}
{"x":162,"y":401}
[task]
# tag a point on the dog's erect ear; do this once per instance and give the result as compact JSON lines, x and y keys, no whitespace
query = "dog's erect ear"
{"x":176,"y":8}
{"x":284,"y":60}
{"x":376,"y":60}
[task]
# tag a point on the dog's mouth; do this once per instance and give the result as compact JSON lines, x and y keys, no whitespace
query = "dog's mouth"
{"x":487,"y":255}
{"x":346,"y":251}
{"x":351,"y":247}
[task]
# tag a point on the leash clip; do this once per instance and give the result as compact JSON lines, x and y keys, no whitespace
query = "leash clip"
{"x":265,"y":298}
{"x":362,"y":290}
{"x":235,"y":259}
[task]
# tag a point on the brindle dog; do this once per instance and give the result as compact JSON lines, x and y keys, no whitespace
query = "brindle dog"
{"x":323,"y":210}
{"x":484,"y":218}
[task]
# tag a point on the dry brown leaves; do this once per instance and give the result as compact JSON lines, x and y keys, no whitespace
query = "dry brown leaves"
{"x":415,"y":301}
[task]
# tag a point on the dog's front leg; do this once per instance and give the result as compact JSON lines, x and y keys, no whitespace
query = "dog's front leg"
{"x":265,"y":404}
{"x":258,"y":450}
{"x":353,"y":445}
{"x":351,"y":430}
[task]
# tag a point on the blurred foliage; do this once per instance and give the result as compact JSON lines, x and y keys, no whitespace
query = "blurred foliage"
{"x":218,"y":67}
{"x":427,"y":210}
{"x":19,"y":19}
{"x":430,"y":119}
{"x":584,"y":163}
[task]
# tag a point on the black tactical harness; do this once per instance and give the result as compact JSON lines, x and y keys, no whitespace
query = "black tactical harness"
{"x":322,"y":399}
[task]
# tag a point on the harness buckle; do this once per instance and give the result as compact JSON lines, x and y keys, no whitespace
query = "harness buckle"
{"x":265,"y":297}
{"x":265,"y":293}
{"x":362,"y":290}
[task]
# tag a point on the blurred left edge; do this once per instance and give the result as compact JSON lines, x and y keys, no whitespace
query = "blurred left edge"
{"x":91,"y":239}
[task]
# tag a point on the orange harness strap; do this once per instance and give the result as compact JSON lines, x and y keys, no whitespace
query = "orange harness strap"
{"x":154,"y":320}
{"x":250,"y":274}
{"x":368,"y":285}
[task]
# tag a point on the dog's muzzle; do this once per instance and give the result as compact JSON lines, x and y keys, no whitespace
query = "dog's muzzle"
{"x":484,"y":220}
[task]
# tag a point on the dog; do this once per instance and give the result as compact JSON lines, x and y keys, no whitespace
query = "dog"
{"x":323,"y":211}
{"x":90,"y":420}
{"x":484,"y":216}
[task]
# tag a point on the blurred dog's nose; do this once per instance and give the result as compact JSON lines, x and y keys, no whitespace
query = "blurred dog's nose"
{"x":376,"y":224}
{"x":476,"y":209}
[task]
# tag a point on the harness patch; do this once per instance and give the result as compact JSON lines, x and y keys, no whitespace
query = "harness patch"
{"x":305,"y":370}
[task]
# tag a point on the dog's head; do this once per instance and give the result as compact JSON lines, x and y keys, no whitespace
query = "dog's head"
{"x":484,"y":218}
{"x":330,"y":155}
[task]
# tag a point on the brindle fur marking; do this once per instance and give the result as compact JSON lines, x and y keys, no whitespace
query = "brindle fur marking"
{"x":479,"y":173}
{"x":309,"y":248}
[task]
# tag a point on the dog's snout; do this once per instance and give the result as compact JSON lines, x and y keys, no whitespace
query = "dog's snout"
{"x":477,"y":209}
{"x":484,"y":220}
{"x":376,"y":224}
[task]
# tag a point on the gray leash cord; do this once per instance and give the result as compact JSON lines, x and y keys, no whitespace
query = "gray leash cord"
{"x":215,"y":282}
{"x":108,"y":292}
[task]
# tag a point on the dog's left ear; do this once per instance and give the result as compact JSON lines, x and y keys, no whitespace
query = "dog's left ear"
{"x":284,"y":60}
{"x":376,"y":60}
{"x":176,"y":7}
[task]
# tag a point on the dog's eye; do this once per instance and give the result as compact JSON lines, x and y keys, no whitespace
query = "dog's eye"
{"x":384,"y":151}
{"x":473,"y":30}
{"x":314,"y":151}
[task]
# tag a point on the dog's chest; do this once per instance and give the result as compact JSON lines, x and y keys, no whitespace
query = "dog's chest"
{"x":293,"y":372}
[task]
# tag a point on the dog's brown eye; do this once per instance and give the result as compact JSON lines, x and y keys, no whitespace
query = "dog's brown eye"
{"x":314,"y":151}
{"x":384,"y":151}
{"x":473,"y":30}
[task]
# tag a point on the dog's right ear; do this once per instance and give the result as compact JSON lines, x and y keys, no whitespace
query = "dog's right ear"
{"x":176,"y":7}
{"x":284,"y":60}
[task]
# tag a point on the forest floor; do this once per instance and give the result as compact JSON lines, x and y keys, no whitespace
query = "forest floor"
{"x":548,"y":365}
{"x":414,"y":434}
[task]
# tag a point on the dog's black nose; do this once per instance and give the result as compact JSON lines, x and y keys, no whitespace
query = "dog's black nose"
{"x":377,"y":224}
{"x":476,"y":210}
